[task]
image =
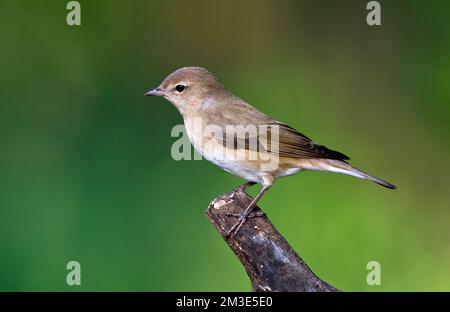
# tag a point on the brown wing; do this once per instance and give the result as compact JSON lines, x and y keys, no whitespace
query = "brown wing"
{"x":296,"y":145}
{"x":291,"y":142}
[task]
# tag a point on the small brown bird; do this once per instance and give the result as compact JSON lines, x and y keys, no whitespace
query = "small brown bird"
{"x":258,"y":148}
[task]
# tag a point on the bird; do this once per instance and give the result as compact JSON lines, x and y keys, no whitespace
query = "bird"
{"x":201,"y":99}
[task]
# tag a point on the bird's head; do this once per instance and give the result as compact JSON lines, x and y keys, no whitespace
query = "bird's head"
{"x":187,"y":88}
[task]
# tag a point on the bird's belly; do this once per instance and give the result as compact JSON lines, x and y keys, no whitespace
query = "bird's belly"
{"x":244,"y":167}
{"x":226,"y":160}
{"x":236,"y":167}
{"x":250,"y":170}
{"x":287,"y":171}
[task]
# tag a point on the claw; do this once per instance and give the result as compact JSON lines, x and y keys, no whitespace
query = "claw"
{"x":242,"y":219}
{"x":243,"y":188}
{"x":247,"y":211}
{"x":254,"y":214}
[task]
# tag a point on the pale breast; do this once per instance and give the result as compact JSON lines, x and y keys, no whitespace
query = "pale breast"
{"x":205,"y":144}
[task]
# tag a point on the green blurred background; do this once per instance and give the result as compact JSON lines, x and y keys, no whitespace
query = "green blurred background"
{"x":85,"y":167}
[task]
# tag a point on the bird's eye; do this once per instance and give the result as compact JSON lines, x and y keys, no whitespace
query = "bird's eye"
{"x":180,"y":88}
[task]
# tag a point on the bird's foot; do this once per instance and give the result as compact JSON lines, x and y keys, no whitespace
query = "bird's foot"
{"x":243,"y":187}
{"x":254,"y":214}
{"x":243,"y":217}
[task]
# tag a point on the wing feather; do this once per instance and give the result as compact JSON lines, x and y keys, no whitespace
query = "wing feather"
{"x":292,"y":143}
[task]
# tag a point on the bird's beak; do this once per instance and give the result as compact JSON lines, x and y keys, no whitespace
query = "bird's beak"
{"x":155,"y":92}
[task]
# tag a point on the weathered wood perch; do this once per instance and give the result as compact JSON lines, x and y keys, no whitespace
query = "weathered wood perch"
{"x":269,"y":260}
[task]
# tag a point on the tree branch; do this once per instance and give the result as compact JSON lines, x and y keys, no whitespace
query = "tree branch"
{"x":270,"y":262}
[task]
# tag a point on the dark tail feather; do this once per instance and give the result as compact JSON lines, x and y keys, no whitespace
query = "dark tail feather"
{"x":383,"y":183}
{"x":344,"y":167}
{"x":374,"y":179}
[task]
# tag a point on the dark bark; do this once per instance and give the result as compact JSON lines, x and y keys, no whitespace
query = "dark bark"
{"x":269,"y":260}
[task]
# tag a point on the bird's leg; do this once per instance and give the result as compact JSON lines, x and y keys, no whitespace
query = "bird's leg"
{"x":253,"y":214}
{"x":244,"y":187}
{"x":243,"y":217}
